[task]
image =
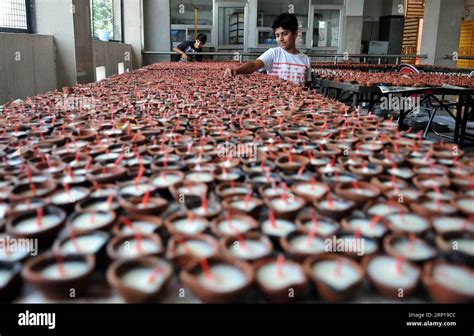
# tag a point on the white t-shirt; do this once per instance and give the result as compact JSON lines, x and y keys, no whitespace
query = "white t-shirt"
{"x":278,"y":62}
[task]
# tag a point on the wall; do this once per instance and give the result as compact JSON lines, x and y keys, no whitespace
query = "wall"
{"x":109,"y":54}
{"x":34,"y":72}
{"x":441,"y":28}
{"x":132,"y":27}
{"x":54,"y":17}
{"x":156,"y":25}
{"x":82,"y":41}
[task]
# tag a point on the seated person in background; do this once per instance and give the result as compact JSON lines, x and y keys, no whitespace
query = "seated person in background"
{"x":186,"y":49}
{"x":284,"y":61}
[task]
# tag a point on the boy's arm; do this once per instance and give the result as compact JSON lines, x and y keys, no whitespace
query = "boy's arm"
{"x":179,"y":50}
{"x":246,"y":68}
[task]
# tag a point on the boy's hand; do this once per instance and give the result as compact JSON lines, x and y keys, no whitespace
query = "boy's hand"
{"x":184,"y":57}
{"x":229,"y":72}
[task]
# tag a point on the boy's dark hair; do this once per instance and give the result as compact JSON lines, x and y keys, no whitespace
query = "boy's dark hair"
{"x":202,"y":37}
{"x":286,"y":21}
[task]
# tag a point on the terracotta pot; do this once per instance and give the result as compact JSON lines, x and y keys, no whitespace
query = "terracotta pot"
{"x":335,"y":292}
{"x":192,"y":274}
{"x":142,"y":288}
{"x":267,"y":273}
{"x":11,"y":288}
{"x":445,"y":292}
{"x":56,"y":286}
{"x":190,"y":248}
{"x":52,"y":220}
{"x":250,"y":247}
{"x":130,"y":246}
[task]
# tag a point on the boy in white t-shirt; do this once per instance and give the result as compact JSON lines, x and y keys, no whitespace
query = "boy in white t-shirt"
{"x":284,"y":61}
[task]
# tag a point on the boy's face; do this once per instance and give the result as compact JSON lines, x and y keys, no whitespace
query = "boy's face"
{"x":198,"y":44}
{"x":285,"y":38}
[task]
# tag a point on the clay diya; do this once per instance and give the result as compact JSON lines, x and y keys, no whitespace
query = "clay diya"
{"x":100,"y":203}
{"x":54,"y":274}
{"x":300,"y":245}
{"x":232,"y":224}
{"x":406,"y":223}
{"x":457,"y":246}
{"x":229,"y":189}
{"x":249,"y":247}
{"x":144,"y":205}
{"x":286,"y":206}
{"x":280,"y":280}
{"x":322,"y":226}
{"x":142,"y":223}
{"x":334,"y":207}
{"x":446,"y":225}
{"x":371,"y":227}
{"x":291,"y":162}
{"x":392,"y":277}
{"x":42,"y":224}
{"x":358,"y":192}
{"x":140,"y":280}
{"x":92,"y":243}
{"x":106,"y":174}
{"x":247,"y":205}
{"x":134,"y":245}
{"x":383,"y":209}
{"x":275,"y":228}
{"x":448,"y":283}
{"x":188,"y":194}
{"x":186,"y":224}
{"x":336,"y":278}
{"x":432,"y":208}
{"x":10,"y":281}
{"x":217,"y":280}
{"x":93,"y":220}
{"x":466,"y":205}
{"x":310,"y":191}
{"x":24,"y":191}
{"x":164,"y":180}
{"x":409,"y":248}
{"x":67,"y":197}
{"x":186,"y":249}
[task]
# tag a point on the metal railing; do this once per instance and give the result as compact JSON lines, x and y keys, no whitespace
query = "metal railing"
{"x":238,"y":56}
{"x":455,"y":58}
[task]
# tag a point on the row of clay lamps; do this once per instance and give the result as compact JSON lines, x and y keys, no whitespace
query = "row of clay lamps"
{"x":173,"y":173}
{"x":364,"y":78}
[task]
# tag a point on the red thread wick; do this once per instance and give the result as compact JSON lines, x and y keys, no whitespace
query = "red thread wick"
{"x":313,"y":182}
{"x":60,"y":264}
{"x":373,"y":222}
{"x":154,"y":274}
{"x":338,"y":268}
{"x":399,"y":264}
{"x":247,"y":198}
{"x":271,"y":218}
{"x":279,"y":265}
{"x":204,"y":202}
{"x":145,"y":199}
{"x":73,"y":234}
{"x":39,"y":217}
{"x":300,"y":171}
{"x":329,"y":200}
{"x":205,"y":269}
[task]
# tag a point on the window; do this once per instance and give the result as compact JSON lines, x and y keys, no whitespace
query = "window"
{"x":15,"y":16}
{"x":268,"y":10}
{"x":106,"y":19}
{"x":326,"y":28}
{"x":184,"y":14}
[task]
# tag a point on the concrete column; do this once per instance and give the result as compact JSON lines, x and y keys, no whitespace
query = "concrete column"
{"x":55,"y":17}
{"x":69,"y":22}
{"x":156,"y":24}
{"x":441,"y":28}
{"x":133,"y":27}
{"x":354,"y":26}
